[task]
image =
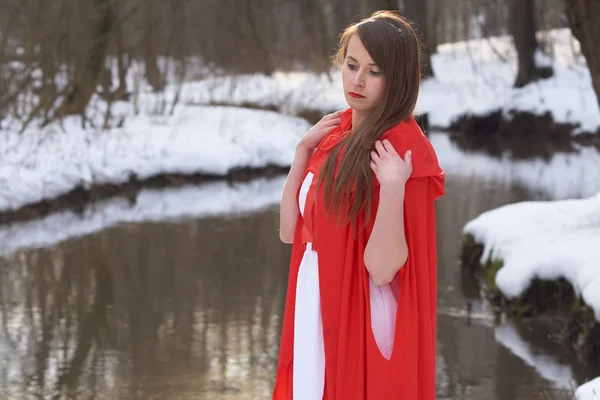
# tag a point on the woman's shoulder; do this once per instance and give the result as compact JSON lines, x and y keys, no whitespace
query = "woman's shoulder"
{"x":408,"y":135}
{"x":405,"y":133}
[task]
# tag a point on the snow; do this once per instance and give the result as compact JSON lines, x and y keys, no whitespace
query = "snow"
{"x":545,"y":240}
{"x":472,"y":77}
{"x":43,"y":164}
{"x":192,"y":201}
{"x":589,"y":390}
{"x":542,"y":59}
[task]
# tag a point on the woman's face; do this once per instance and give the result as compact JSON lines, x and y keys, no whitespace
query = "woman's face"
{"x":362,"y":80}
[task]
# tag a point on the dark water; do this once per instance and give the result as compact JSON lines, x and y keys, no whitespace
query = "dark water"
{"x":192,"y":308}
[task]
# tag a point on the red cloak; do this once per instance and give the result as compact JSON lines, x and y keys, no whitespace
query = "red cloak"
{"x":355,"y":369}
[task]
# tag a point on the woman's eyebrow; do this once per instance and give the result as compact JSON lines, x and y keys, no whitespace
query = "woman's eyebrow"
{"x":355,"y":60}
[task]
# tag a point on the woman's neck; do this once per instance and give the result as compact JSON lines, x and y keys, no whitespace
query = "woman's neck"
{"x":357,"y":119}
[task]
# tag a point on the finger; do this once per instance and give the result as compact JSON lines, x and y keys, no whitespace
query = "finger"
{"x":408,"y":158}
{"x":330,"y":122}
{"x":375,"y":157}
{"x":387,"y":145}
{"x":373,"y":166}
{"x":379,"y":147}
{"x":335,"y":114}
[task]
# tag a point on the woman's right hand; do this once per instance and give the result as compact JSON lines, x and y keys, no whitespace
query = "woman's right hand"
{"x":313,"y":137}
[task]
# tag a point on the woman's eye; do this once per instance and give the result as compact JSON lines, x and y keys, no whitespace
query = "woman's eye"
{"x":375,"y":73}
{"x":351,"y":66}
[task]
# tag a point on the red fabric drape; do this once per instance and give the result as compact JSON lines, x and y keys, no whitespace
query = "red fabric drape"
{"x":354,"y":367}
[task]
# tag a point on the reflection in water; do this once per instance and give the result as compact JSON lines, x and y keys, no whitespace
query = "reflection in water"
{"x":193,"y":308}
{"x":477,"y":365}
{"x":574,"y":174}
{"x":146,"y":311}
{"x":524,"y":147}
{"x":477,"y":183}
{"x":546,"y":365}
{"x":209,"y":199}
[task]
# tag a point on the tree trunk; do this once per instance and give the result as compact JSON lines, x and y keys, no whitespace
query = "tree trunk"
{"x":122,"y":66}
{"x":368,"y":7}
{"x":150,"y":53}
{"x":344,"y":13}
{"x":256,"y":20}
{"x":386,"y":4}
{"x":314,"y":16}
{"x":584,"y":19}
{"x":84,"y":86}
{"x":417,"y":11}
{"x":522,"y":26}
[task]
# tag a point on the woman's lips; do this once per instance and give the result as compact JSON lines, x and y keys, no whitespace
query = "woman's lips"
{"x":356,"y":95}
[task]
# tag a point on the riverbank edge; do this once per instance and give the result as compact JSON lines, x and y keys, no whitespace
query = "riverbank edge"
{"x":493,"y":125}
{"x":521,"y":123}
{"x":553,"y":304}
{"x":76,"y":199}
{"x":497,"y":123}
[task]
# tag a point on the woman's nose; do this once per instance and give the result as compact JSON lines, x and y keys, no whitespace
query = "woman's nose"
{"x":358,"y":79}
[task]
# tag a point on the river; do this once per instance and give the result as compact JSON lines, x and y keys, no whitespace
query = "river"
{"x":179,"y":293}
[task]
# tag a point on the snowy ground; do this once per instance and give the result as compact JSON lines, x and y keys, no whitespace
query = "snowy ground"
{"x":471,"y":77}
{"x":546,"y":240}
{"x":589,"y":390}
{"x":563,"y":176}
{"x":39,"y":165}
{"x":535,"y":239}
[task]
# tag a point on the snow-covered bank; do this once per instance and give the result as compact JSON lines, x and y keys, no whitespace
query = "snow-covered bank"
{"x":545,"y":240}
{"x":39,"y":165}
{"x":211,"y":199}
{"x":589,"y":390}
{"x":471,"y":78}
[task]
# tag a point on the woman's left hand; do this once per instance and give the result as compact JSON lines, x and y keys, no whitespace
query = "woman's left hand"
{"x":389,"y":168}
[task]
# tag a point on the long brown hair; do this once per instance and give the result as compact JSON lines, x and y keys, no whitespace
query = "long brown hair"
{"x":394,"y":47}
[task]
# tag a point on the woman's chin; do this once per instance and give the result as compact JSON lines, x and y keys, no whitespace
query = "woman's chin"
{"x":359,"y":108}
{"x":358,"y":105}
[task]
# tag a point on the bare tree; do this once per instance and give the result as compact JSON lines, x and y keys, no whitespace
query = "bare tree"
{"x":55,"y":56}
{"x":316,"y":23}
{"x":367,"y":7}
{"x":522,"y":26}
{"x":584,"y":19}
{"x":150,"y":44}
{"x":89,"y":71}
{"x":417,"y":10}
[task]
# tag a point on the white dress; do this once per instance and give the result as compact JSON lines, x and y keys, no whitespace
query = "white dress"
{"x":309,"y":352}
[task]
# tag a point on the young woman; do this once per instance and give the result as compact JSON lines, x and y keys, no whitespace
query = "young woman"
{"x":358,"y":206}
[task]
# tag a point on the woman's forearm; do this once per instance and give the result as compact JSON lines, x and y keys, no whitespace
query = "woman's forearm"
{"x":288,"y":213}
{"x":386,"y":251}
